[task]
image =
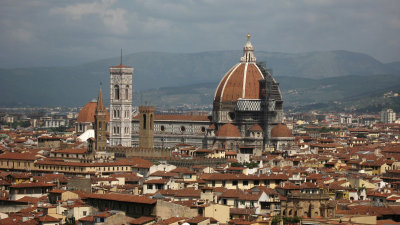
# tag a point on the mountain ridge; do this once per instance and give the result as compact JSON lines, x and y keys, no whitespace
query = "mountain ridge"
{"x":76,"y":85}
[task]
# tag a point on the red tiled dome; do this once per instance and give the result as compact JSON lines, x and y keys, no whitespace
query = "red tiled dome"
{"x":281,"y":130}
{"x":242,"y":81}
{"x":87,"y":113}
{"x":228,"y":130}
{"x":211,"y":127}
{"x":256,"y":127}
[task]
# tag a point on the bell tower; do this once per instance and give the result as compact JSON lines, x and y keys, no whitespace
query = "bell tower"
{"x":121,"y":105}
{"x":146,"y":127}
{"x":100,"y":124}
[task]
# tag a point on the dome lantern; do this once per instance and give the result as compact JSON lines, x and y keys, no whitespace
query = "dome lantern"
{"x":248,"y":52}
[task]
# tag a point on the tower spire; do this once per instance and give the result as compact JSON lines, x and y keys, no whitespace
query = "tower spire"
{"x":100,"y":108}
{"x":121,"y":57}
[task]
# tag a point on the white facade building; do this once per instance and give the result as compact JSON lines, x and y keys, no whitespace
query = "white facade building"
{"x":388,"y":116}
{"x":121,"y":105}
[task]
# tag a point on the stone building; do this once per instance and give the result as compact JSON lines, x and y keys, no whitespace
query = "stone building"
{"x":308,"y":205}
{"x":121,"y":105}
{"x":146,"y":134}
{"x":247,"y":105}
{"x":85,"y":119}
{"x":171,"y":129}
{"x":281,"y":137}
{"x":388,"y":116}
{"x":247,"y":97}
{"x":100,"y":124}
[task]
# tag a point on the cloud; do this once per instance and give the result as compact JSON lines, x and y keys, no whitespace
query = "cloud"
{"x":22,"y":35}
{"x":71,"y":32}
{"x":112,"y":18}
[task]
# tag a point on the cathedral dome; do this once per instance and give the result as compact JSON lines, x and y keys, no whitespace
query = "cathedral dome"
{"x":242,"y":80}
{"x":281,"y":130}
{"x":256,"y":127}
{"x":228,"y":130}
{"x":87,"y":113}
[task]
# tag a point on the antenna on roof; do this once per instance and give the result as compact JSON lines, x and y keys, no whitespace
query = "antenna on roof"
{"x":121,"y":57}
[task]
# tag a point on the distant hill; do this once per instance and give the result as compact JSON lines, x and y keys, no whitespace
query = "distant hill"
{"x":394,"y":66}
{"x":76,"y":85}
{"x":349,"y":93}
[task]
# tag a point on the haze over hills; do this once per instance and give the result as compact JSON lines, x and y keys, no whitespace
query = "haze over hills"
{"x":350,"y":93}
{"x":305,"y":78}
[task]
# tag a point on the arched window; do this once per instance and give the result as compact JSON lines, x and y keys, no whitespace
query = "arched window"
{"x":116,"y":92}
{"x":144,"y":121}
{"x":126,"y":91}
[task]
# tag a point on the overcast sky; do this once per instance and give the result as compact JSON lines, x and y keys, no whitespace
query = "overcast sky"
{"x":52,"y":33}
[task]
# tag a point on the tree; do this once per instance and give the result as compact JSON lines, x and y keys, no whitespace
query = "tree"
{"x":236,"y":164}
{"x":276,"y":219}
{"x":70,"y":221}
{"x":291,"y":220}
{"x":23,"y":124}
{"x":361,"y":136}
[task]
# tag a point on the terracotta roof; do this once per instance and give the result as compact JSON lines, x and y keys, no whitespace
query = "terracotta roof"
{"x":28,"y":199}
{"x":87,"y":113}
{"x":170,"y":220}
{"x":29,"y":185}
{"x":308,"y":185}
{"x":103,"y":214}
{"x":18,"y":156}
{"x":142,"y":220}
{"x":196,"y":219}
{"x":20,"y":175}
{"x":13,"y":220}
{"x":230,"y":153}
{"x":71,"y":151}
{"x":122,"y":198}
{"x":256,"y":127}
{"x":228,"y":130}
{"x":87,"y":219}
{"x":239,"y":222}
{"x":281,"y":130}
{"x":163,"y":174}
{"x":47,"y":219}
{"x":188,"y":192}
{"x":120,"y":66}
{"x":228,"y":176}
{"x":241,"y":81}
{"x":156,"y":181}
{"x":211,"y":127}
{"x":183,"y":170}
